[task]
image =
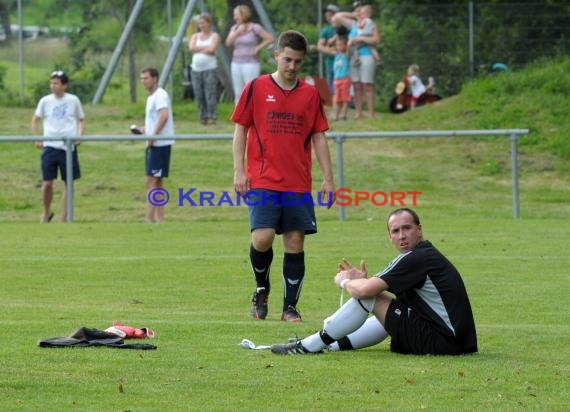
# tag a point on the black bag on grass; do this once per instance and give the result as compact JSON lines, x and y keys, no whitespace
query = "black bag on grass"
{"x":83,"y":337}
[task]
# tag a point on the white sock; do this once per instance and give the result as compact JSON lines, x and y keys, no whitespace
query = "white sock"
{"x":348,"y":318}
{"x":370,"y":333}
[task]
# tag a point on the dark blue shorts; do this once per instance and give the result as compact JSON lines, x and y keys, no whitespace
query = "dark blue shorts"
{"x":157,"y":161}
{"x":282,"y":211}
{"x":53,"y":159}
{"x":412,"y":334}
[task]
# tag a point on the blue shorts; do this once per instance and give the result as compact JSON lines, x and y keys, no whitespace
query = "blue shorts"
{"x":157,"y":161}
{"x":53,"y":159}
{"x":282,"y":211}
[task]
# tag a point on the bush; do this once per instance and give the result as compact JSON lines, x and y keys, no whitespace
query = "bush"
{"x":5,"y":95}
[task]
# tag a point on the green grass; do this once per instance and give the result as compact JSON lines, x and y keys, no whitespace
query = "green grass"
{"x":190,"y":280}
{"x":191,"y":283}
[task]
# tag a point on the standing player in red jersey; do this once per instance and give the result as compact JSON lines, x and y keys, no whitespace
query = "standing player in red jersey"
{"x":277,"y":119}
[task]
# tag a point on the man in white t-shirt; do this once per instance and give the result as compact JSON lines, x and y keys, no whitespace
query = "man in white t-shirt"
{"x":62,"y":116}
{"x":158,"y":122}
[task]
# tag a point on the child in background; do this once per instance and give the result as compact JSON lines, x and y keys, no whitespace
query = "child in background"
{"x":416,"y":85}
{"x":341,"y":79}
{"x":365,"y":29}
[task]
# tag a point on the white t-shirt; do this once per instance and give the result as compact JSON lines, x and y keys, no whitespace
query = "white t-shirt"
{"x":204,"y":61}
{"x":418,"y":87}
{"x":60,"y":116}
{"x":154,"y":103}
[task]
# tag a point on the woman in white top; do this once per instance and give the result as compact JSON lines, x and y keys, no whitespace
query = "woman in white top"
{"x":247,"y":39}
{"x":204,"y":45}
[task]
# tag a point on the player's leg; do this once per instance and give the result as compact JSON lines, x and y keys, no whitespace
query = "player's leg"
{"x":370,"y":333}
{"x":293,"y":273}
{"x":261,"y":255}
{"x":264,"y":222}
{"x":298,"y":220}
{"x":347,"y":319}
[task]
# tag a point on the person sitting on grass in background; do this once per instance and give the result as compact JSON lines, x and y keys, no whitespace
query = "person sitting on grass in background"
{"x":430,"y":313}
{"x":416,"y":85}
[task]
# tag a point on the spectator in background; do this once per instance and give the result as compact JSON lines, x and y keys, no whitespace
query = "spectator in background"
{"x":327,"y":34}
{"x":341,"y":67}
{"x":62,"y":116}
{"x":204,"y":45}
{"x":158,"y":122}
{"x":366,"y":28}
{"x":247,"y":39}
{"x":362,"y":74}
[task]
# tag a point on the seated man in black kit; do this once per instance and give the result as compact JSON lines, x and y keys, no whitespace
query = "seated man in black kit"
{"x":430,"y":314}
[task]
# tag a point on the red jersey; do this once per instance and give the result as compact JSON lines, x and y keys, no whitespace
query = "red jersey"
{"x":280,"y":124}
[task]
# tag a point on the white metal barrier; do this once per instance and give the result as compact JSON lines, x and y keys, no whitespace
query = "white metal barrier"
{"x":338,"y":137}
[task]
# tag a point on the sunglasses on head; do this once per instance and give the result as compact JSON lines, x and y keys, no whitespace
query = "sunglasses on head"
{"x":58,"y":73}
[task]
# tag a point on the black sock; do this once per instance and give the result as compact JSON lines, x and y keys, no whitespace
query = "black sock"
{"x":293,"y":273}
{"x":345,"y":344}
{"x":260,"y":264}
{"x":326,"y":338}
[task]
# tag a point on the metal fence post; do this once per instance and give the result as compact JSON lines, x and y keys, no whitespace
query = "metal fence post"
{"x":339,"y":139}
{"x":471,"y":41}
{"x":69,"y":177}
{"x":515,"y":172}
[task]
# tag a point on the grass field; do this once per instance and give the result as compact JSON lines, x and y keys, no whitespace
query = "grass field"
{"x":189,"y":278}
{"x":191,"y":283}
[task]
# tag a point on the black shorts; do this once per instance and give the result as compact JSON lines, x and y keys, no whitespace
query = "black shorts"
{"x":158,"y":161}
{"x":411,"y":334}
{"x":53,"y":159}
{"x":282,"y":211}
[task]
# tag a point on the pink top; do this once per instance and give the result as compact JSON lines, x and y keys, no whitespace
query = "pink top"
{"x":245,"y":44}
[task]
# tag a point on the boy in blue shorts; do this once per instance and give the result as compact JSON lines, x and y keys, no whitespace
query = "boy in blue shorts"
{"x":62,"y":116}
{"x":158,"y":122}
